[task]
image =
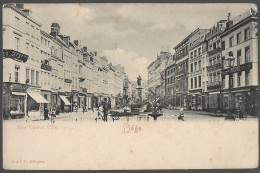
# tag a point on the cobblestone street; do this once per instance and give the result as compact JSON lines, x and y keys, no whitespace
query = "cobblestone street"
{"x":168,"y":115}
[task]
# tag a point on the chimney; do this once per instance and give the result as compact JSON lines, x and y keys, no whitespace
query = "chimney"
{"x":20,"y":5}
{"x":55,"y":29}
{"x":66,"y":39}
{"x":27,"y":12}
{"x":76,"y":42}
{"x":85,"y":48}
{"x":229,"y":23}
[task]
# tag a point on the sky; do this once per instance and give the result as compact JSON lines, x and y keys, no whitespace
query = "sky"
{"x":132,"y":34}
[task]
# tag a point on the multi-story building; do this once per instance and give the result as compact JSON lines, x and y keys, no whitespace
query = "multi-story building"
{"x":168,"y":81}
{"x":44,"y":70}
{"x":211,"y":75}
{"x":197,"y":55}
{"x":240,"y":40}
{"x":21,"y":62}
{"x":181,"y":73}
{"x":151,"y":80}
{"x":154,"y":75}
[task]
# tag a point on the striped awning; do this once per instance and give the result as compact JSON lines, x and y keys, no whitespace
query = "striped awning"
{"x":37,"y":97}
{"x":65,"y":100}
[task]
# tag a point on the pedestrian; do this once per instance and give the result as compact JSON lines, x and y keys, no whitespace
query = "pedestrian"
{"x":46,"y":112}
{"x":53,"y":112}
{"x":105,"y":110}
{"x":83,"y":109}
{"x":181,"y":117}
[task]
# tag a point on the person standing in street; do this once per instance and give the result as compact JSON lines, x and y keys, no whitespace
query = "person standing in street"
{"x":181,"y":117}
{"x":83,"y":109}
{"x":46,"y":112}
{"x":105,"y":110}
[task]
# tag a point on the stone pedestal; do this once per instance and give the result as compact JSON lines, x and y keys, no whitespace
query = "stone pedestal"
{"x":140,"y":93}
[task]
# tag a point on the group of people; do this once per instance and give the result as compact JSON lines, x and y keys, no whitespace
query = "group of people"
{"x":104,"y":107}
{"x":52,"y":112}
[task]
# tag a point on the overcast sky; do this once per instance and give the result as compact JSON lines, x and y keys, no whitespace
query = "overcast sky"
{"x":132,"y":34}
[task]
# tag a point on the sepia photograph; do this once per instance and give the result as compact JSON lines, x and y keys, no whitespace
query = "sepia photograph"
{"x":130,"y":86}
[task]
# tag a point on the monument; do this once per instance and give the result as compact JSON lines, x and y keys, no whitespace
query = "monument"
{"x":139,"y":89}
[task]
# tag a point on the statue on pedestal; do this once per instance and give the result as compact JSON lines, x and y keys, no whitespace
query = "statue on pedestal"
{"x":139,"y":79}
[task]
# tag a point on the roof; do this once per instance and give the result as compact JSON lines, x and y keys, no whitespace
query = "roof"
{"x":20,"y":11}
{"x":186,"y":38}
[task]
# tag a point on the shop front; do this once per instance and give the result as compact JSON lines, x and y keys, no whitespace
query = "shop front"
{"x":14,"y":104}
{"x":48,"y":96}
{"x":75,"y":101}
{"x":36,"y":104}
{"x":89,"y":101}
{"x":82,"y":102}
{"x":65,"y":103}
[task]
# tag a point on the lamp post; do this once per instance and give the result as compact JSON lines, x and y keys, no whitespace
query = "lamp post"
{"x":230,"y":63}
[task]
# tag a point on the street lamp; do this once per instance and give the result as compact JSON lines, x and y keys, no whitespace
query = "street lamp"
{"x":230,"y":63}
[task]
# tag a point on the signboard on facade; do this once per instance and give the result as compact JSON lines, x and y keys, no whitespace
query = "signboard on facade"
{"x":239,"y":68}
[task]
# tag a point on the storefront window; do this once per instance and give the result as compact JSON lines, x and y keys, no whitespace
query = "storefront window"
{"x":16,"y":104}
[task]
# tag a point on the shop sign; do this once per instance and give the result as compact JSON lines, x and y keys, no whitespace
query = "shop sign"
{"x":46,"y":67}
{"x":214,"y":85}
{"x":7,"y":53}
{"x":239,"y":68}
{"x":18,"y":87}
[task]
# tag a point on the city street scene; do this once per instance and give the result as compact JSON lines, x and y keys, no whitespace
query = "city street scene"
{"x":128,"y":68}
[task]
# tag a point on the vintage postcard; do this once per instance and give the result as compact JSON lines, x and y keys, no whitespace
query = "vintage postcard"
{"x":125,"y":86}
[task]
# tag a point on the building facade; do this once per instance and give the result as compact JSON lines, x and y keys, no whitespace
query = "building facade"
{"x":197,"y":55}
{"x":49,"y":70}
{"x":240,"y":40}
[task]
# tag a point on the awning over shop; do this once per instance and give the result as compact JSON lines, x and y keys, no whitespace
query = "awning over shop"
{"x":65,"y":100}
{"x":38,"y":98}
{"x":19,"y":94}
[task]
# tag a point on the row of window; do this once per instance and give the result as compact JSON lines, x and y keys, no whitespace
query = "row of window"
{"x":32,"y":76}
{"x":239,"y":39}
{"x":197,"y":82}
{"x":247,"y":74}
{"x":195,"y":52}
{"x":197,"y":66}
{"x":29,"y":29}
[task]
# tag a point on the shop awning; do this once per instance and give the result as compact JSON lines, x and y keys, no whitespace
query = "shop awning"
{"x":65,"y":100}
{"x":38,"y":98}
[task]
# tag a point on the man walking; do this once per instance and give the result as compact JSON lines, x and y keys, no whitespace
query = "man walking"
{"x":105,"y":110}
{"x":46,"y":112}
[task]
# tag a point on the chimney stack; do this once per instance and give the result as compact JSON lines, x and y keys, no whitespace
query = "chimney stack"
{"x":20,"y":5}
{"x":76,"y":42}
{"x":27,"y":11}
{"x":85,"y":48}
{"x":55,"y":29}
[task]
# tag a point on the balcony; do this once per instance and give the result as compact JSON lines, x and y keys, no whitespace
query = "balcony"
{"x":214,"y":67}
{"x":82,"y":77}
{"x":214,"y":85}
{"x":212,"y":52}
{"x":66,"y":80}
{"x":17,"y":56}
{"x":46,"y":67}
